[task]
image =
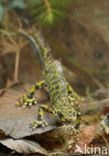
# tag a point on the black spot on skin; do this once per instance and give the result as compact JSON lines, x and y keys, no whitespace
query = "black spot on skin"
{"x":30,"y":95}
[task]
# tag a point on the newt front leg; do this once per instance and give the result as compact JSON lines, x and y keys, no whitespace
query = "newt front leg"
{"x":28,"y":98}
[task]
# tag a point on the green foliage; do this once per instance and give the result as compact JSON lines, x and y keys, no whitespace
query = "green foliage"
{"x":10,"y":4}
{"x":48,"y":12}
{"x":1,"y":12}
{"x":20,"y":4}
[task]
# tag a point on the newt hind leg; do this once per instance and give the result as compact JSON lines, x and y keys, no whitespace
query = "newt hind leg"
{"x":28,"y":98}
{"x":40,"y":121}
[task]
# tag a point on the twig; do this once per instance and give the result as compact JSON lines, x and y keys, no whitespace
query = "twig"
{"x":17,"y":60}
{"x":47,"y":4}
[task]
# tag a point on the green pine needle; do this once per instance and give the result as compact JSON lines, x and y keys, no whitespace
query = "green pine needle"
{"x":48,"y":12}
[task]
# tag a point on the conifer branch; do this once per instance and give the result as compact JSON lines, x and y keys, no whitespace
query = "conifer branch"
{"x":47,"y":4}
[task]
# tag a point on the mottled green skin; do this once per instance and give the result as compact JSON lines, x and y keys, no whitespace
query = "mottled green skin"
{"x":63,"y":98}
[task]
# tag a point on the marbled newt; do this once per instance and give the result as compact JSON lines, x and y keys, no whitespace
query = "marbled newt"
{"x":63,"y":98}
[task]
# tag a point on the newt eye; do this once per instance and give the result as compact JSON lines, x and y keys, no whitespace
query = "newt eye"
{"x":60,"y":115}
{"x":29,"y":95}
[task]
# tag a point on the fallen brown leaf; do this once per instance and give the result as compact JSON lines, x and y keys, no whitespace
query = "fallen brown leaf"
{"x":15,"y":121}
{"x":86,"y":135}
{"x":24,"y":146}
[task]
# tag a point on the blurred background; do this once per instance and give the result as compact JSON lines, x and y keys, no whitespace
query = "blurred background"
{"x":76,"y":30}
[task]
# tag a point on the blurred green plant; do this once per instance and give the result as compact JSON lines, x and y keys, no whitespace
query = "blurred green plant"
{"x":47,"y":12}
{"x":13,"y":4}
{"x":10,"y":5}
{"x":1,"y":12}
